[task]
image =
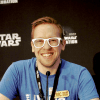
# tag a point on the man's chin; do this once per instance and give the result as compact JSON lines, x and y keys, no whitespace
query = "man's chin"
{"x":48,"y":65}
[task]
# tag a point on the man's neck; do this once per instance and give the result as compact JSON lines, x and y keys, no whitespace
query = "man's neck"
{"x":44,"y":69}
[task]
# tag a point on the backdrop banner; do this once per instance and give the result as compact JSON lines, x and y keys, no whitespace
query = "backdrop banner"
{"x":80,"y":20}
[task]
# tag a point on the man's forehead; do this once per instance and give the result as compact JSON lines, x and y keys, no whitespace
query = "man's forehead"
{"x":47,"y":28}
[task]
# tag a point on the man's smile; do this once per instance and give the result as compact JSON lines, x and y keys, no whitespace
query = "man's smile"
{"x":47,"y":54}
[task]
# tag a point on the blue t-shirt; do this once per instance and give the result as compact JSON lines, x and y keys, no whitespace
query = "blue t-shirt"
{"x":74,"y":82}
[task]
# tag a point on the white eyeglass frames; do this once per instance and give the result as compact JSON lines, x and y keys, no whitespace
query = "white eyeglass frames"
{"x":53,"y":42}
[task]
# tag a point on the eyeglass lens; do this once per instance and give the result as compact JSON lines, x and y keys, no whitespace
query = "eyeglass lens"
{"x":40,"y":42}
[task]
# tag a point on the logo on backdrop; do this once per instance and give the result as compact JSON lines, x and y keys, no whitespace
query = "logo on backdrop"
{"x":8,"y":1}
{"x":71,"y":38}
{"x":8,"y":40}
{"x":70,"y":35}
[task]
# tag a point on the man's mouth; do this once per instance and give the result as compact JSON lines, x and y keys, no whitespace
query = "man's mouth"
{"x":47,"y":55}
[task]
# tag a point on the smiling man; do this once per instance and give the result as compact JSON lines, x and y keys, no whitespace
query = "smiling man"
{"x":48,"y":57}
{"x":27,"y":78}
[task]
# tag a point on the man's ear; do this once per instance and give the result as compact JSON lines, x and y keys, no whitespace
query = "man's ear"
{"x":63,"y":44}
{"x":32,"y":45}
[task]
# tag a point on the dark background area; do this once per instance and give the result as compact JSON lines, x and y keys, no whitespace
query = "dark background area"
{"x":81,"y":16}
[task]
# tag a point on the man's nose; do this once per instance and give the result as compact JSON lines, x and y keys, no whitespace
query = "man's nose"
{"x":46,"y":45}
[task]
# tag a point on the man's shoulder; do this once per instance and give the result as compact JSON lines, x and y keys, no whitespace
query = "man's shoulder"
{"x":72,"y":68}
{"x":23,"y":64}
{"x":72,"y":65}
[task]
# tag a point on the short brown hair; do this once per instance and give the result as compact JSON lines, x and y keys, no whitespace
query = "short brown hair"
{"x":44,"y":20}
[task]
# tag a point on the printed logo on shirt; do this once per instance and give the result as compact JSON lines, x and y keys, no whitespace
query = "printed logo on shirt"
{"x":50,"y":90}
{"x":36,"y":97}
{"x":59,"y":95}
{"x":28,"y":96}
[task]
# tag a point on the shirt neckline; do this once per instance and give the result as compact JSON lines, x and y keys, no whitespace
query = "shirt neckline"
{"x":51,"y":76}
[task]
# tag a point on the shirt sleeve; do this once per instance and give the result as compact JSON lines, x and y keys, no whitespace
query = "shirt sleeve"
{"x":9,"y":83}
{"x":87,"y":88}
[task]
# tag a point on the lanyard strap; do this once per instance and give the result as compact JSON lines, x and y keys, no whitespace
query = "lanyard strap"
{"x":54,"y":86}
{"x":39,"y":84}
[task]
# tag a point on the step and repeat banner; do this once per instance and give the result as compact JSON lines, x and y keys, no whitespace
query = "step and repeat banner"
{"x":80,"y":20}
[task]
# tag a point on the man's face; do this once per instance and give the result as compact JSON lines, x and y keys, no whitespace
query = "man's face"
{"x":47,"y":55}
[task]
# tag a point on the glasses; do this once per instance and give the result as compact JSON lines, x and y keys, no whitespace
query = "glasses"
{"x":53,"y":42}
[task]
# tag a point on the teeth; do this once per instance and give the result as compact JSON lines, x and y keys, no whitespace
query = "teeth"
{"x":46,"y":55}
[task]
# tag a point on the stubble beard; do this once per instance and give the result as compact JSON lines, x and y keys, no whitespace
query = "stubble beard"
{"x":51,"y":65}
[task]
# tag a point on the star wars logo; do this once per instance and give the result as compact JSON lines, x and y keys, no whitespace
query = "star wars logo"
{"x":8,"y":1}
{"x":71,"y":38}
{"x":8,"y":40}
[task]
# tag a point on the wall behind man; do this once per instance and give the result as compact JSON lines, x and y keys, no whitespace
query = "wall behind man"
{"x":76,"y":16}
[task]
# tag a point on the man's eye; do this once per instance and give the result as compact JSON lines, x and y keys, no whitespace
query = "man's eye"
{"x":53,"y":40}
{"x":39,"y":40}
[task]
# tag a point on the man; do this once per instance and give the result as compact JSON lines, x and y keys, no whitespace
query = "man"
{"x":28,"y":78}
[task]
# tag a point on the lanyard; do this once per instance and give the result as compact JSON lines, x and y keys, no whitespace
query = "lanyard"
{"x":54,"y":85}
